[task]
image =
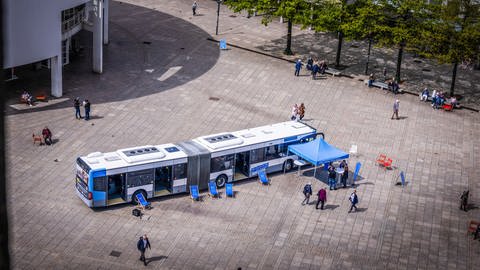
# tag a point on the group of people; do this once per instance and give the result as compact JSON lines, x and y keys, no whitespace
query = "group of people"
{"x":322,"y":197}
{"x":314,"y":66}
{"x":438,"y":98}
{"x":27,"y":98}
{"x":298,"y":112}
{"x":392,"y":84}
{"x":332,"y":175}
{"x":86,"y":106}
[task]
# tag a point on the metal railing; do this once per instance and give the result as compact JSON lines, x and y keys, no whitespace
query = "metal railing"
{"x":75,"y":20}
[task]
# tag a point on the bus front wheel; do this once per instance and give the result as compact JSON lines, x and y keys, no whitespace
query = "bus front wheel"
{"x":134,"y":196}
{"x":287,"y":165}
{"x":221,"y":180}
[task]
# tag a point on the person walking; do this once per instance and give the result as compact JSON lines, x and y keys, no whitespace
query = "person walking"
{"x":298,"y":67}
{"x":464,"y":200}
{"x":322,"y":198}
{"x":354,"y":200}
{"x":294,"y":112}
{"x":301,"y":111}
{"x":86,"y":105}
{"x":315,"y":69}
{"x":307,"y":191}
{"x":396,"y":107}
{"x":142,"y":246}
{"x":76,"y":105}
{"x":332,"y":182}
{"x":194,"y":8}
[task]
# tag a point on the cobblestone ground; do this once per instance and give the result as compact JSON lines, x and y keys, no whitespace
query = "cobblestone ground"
{"x":134,"y":103}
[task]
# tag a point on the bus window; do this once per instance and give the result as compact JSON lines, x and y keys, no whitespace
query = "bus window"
{"x":179,"y":171}
{"x":257,"y":155}
{"x":100,"y":183}
{"x":221,"y":163}
{"x":140,"y":178}
{"x":275,"y":151}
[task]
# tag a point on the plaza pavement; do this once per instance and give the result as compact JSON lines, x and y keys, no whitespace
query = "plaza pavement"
{"x":416,"y":227}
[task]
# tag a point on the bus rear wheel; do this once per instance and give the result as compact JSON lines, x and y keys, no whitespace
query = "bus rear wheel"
{"x":287,"y":165}
{"x":134,"y":196}
{"x":221,"y":180}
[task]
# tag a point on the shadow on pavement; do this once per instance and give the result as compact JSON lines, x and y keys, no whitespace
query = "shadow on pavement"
{"x":148,"y":52}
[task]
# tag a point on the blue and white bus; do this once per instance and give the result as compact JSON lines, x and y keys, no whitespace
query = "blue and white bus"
{"x":104,"y":179}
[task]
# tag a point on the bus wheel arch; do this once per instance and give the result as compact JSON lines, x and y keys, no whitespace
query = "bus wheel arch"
{"x":134,"y":196}
{"x":221,"y":180}
{"x":288,"y":165}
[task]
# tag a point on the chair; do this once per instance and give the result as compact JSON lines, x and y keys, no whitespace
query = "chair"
{"x":357,"y":170}
{"x":37,"y":138}
{"x":212,"y":189}
{"x":381,"y":159}
{"x":229,"y":190}
{"x":194,"y":192}
{"x":353,"y":150}
{"x":472,"y":226}
{"x":142,"y":202}
{"x":387,"y":163}
{"x":263,"y":177}
{"x":223,"y":44}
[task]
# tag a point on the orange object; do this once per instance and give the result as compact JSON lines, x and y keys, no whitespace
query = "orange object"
{"x":37,"y":138}
{"x":447,"y":107}
{"x":41,"y":97}
{"x":388,"y":163}
{"x":381,"y":159}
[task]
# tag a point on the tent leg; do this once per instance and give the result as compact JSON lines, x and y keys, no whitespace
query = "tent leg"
{"x":315,"y":172}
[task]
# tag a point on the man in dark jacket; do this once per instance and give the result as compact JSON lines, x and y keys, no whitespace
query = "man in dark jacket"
{"x":354,"y":200}
{"x":86,"y":104}
{"x":76,"y":105}
{"x":307,"y":191}
{"x":142,"y":245}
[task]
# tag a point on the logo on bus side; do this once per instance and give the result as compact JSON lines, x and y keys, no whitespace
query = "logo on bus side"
{"x":259,"y":168}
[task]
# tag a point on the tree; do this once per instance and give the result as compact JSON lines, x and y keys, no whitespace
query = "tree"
{"x":452,"y":34}
{"x":293,"y":10}
{"x":400,"y":24}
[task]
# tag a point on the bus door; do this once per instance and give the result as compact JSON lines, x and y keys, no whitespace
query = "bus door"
{"x":116,"y":188}
{"x":242,"y":162}
{"x":163,"y":180}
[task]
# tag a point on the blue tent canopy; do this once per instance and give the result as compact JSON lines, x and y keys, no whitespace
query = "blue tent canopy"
{"x":317,"y":152}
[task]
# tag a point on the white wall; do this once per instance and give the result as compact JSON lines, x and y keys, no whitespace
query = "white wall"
{"x":32,"y":29}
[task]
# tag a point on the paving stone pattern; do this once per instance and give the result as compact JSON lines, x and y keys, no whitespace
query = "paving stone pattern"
{"x":419,"y":226}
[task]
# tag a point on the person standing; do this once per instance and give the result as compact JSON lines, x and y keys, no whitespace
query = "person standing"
{"x":464,"y":200}
{"x":315,"y":69}
{"x":307,"y":191}
{"x":345,"y":175}
{"x":396,"y":107}
{"x":76,"y":105}
{"x":322,"y":198}
{"x":194,"y":8}
{"x":298,"y":67}
{"x":354,"y":200}
{"x":301,"y":111}
{"x":332,"y":182}
{"x":142,"y":246}
{"x":86,"y":105}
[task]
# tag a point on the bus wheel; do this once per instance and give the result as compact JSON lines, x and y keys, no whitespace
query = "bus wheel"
{"x":134,"y":196}
{"x":221,"y":180}
{"x":287,"y":165}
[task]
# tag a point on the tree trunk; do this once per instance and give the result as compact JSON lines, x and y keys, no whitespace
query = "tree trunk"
{"x":339,"y":48}
{"x":368,"y":55}
{"x":399,"y":63}
{"x":288,"y":50}
{"x":454,"y":77}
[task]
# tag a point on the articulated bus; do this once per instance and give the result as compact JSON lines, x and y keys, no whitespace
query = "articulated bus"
{"x":104,"y":179}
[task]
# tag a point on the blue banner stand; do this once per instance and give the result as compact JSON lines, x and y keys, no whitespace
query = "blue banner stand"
{"x":223,"y":44}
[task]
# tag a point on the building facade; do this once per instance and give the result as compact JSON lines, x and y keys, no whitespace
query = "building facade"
{"x":37,"y":32}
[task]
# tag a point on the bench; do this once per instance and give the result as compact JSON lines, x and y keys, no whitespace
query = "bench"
{"x":381,"y":85}
{"x":333,"y":71}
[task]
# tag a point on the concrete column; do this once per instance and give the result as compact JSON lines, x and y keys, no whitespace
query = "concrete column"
{"x":105,"y":21}
{"x":97,"y":36}
{"x":56,"y":75}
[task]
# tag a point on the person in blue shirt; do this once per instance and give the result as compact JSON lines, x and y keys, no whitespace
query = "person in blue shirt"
{"x":354,"y":200}
{"x":298,"y":67}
